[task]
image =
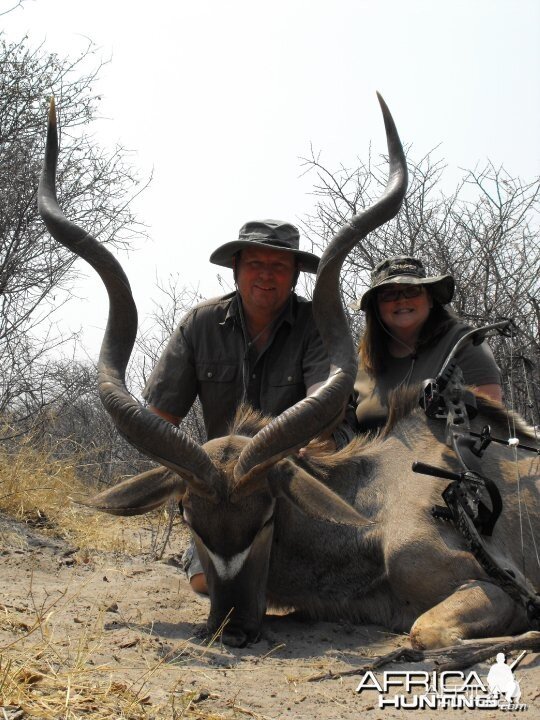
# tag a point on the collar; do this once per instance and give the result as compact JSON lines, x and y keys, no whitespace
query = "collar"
{"x":288,"y":313}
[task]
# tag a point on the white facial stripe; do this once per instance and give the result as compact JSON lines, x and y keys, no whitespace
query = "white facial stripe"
{"x":227,"y":569}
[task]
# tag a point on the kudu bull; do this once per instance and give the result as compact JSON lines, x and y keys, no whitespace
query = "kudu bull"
{"x":350,"y":536}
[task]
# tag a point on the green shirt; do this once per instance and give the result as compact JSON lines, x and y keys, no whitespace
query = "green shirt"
{"x":209,"y":356}
{"x":476,"y":362}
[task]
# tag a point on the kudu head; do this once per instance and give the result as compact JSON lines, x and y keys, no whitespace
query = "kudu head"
{"x":229,"y":486}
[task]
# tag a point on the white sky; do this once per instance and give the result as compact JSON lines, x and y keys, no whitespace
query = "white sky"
{"x":221,"y":98}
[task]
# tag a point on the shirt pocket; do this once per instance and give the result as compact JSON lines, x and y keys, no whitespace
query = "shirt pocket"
{"x":216,"y":373}
{"x":219,"y":393}
{"x":285,"y":388}
{"x":286,"y":378}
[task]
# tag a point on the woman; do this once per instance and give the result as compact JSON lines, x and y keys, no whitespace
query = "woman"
{"x":409,"y":334}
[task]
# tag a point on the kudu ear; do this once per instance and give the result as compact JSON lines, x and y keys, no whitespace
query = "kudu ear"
{"x":139,"y":494}
{"x":310,"y":496}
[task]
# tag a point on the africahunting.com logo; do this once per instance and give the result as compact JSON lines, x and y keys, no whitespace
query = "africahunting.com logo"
{"x":451,"y":689}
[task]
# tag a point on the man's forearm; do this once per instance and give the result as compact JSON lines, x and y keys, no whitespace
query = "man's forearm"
{"x":174,"y":419}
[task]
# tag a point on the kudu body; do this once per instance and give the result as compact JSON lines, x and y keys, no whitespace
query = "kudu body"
{"x":406,"y":569}
{"x":349,"y":537}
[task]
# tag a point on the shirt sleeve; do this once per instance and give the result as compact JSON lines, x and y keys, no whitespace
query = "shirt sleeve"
{"x":316,"y":366}
{"x":478,"y":365}
{"x":347,"y":429}
{"x":172,"y":385}
{"x":371,"y":410}
{"x":315,"y":362}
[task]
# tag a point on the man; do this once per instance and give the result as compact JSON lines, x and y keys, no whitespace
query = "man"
{"x":258,"y":344}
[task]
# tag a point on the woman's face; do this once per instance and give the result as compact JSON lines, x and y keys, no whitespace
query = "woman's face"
{"x":404,"y":316}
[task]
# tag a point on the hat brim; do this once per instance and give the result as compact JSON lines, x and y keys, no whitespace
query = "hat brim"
{"x":441,"y":288}
{"x":307,"y":262}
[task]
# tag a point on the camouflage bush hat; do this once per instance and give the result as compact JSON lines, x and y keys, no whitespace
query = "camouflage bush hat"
{"x":405,"y":270}
{"x":273,"y":234}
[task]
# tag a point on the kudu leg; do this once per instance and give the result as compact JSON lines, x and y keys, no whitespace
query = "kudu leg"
{"x":478,"y":609}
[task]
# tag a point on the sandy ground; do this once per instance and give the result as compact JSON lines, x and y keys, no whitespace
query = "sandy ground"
{"x":132,"y":622}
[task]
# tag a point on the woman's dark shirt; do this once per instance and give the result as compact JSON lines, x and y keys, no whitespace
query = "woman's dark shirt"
{"x":476,"y":362}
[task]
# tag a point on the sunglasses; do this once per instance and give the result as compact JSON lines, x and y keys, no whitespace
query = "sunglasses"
{"x":409,"y":291}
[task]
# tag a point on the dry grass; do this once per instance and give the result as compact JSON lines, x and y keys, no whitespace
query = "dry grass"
{"x":47,"y":683}
{"x":38,"y":489}
{"x":44,"y":673}
{"x":41,"y":689}
{"x":47,"y":675}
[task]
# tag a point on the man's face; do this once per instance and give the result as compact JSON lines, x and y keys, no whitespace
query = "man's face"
{"x":264,"y":278}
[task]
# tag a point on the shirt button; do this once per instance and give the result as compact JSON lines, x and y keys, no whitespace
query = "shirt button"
{"x":289,"y":378}
{"x":209,"y":374}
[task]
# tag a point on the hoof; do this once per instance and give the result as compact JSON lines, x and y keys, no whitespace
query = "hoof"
{"x":234,"y":638}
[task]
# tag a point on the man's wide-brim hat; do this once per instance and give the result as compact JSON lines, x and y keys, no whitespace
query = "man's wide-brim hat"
{"x":407,"y":271}
{"x":272,"y":234}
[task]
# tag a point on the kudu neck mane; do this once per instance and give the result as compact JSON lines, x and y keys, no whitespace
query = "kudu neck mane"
{"x":247,"y":421}
{"x":403,"y":402}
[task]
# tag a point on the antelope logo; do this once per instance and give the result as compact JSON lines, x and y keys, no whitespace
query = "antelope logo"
{"x":448,"y":690}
